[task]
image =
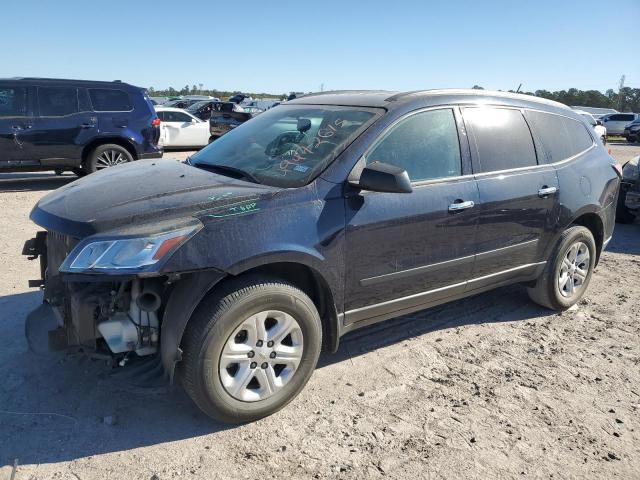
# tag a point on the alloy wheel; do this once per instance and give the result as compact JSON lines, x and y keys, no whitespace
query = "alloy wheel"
{"x":261,"y":356}
{"x":110,"y":158}
{"x":574,"y":269}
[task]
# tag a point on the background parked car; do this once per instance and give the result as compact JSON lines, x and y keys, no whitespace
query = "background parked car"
{"x":228,"y":117}
{"x":632,"y":132}
{"x":181,"y":102}
{"x":203,"y":109}
{"x":79,"y":125}
{"x":597,"y":126}
{"x":629,"y":196}
{"x":615,"y":122}
{"x":179,"y":128}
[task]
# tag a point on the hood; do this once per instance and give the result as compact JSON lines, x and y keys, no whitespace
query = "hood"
{"x":140,"y":193}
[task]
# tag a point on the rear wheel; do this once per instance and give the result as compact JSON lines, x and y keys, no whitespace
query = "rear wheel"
{"x":250,"y":349}
{"x":108,"y":155}
{"x":568,"y":271}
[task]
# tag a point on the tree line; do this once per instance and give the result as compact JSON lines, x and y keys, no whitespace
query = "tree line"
{"x":627,"y":99}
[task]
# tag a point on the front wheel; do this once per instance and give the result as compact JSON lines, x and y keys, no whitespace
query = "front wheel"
{"x":250,"y":348}
{"x":567,"y":273}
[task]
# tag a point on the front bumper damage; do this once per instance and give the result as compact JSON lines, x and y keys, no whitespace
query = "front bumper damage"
{"x":97,"y":314}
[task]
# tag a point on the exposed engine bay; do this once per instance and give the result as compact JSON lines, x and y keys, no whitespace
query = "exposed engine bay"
{"x":102,"y":317}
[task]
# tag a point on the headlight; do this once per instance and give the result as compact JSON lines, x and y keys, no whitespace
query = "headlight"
{"x":125,"y":255}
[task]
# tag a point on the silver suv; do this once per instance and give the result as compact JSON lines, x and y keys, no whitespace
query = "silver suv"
{"x":615,"y":122}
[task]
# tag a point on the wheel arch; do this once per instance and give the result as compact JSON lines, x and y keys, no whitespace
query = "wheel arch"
{"x":96,"y":142}
{"x":592,"y":221}
{"x":191,"y":289}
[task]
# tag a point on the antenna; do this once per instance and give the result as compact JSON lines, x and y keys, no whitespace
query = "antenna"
{"x":518,"y":90}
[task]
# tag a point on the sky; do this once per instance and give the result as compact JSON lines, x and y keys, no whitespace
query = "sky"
{"x":283,"y":46}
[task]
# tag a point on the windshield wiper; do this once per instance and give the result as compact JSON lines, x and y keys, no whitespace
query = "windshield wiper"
{"x":226,"y":170}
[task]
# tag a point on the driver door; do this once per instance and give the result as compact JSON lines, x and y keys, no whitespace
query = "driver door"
{"x":405,"y":250}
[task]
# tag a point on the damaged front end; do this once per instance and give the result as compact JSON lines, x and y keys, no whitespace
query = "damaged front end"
{"x":93,"y":298}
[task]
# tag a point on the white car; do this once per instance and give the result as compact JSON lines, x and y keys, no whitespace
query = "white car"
{"x":180,"y":129}
{"x":600,"y":130}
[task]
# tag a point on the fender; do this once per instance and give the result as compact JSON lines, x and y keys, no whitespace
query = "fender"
{"x":185,"y":297}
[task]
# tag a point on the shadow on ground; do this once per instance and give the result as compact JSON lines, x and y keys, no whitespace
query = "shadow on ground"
{"x":33,"y":181}
{"x":53,"y":408}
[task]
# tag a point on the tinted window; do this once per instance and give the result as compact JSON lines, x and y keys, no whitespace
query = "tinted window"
{"x":579,"y":137}
{"x":57,"y":101}
{"x":175,"y":117}
{"x":621,"y":117}
{"x":13,"y":101}
{"x":109,"y":100}
{"x":425,"y":145}
{"x":502,"y":137}
{"x":560,"y":137}
{"x":552,"y":133}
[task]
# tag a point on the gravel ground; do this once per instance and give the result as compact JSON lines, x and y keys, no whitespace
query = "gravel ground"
{"x":488,"y":387}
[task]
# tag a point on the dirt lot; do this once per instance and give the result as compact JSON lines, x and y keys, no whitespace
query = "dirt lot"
{"x":492,"y":386}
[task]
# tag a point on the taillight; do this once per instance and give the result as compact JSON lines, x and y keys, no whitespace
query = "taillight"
{"x":155,"y":122}
{"x":618,"y":169}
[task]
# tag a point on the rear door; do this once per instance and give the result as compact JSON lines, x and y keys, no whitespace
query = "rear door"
{"x":408,"y":249}
{"x":16,"y":125}
{"x":63,"y":125}
{"x":518,"y":197}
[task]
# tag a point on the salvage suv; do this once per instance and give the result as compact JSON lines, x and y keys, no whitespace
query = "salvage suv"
{"x":78,"y":125}
{"x":316,"y":218}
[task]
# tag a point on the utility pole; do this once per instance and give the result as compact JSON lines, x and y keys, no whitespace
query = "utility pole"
{"x":322,"y":87}
{"x":620,"y":87}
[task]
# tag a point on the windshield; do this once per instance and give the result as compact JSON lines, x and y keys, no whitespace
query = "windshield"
{"x":287,"y":146}
{"x":197,"y":105}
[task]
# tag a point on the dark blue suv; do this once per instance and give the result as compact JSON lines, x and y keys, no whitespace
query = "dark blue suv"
{"x":321,"y":216}
{"x":84,"y":126}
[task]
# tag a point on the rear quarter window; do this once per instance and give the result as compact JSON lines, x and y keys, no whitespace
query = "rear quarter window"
{"x":560,"y":137}
{"x":110,"y":100}
{"x":502,"y":138}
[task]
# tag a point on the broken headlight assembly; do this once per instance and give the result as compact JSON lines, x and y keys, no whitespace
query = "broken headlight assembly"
{"x":126,"y":254}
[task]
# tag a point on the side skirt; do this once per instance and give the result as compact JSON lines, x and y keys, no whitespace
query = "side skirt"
{"x":361,"y":317}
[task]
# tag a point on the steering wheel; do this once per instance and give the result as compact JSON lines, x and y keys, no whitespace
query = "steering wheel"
{"x":283,"y":143}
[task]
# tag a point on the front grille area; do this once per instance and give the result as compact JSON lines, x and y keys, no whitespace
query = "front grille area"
{"x":58,"y":247}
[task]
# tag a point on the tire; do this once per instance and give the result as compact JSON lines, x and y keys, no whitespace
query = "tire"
{"x":213,"y":138}
{"x":547,"y":291}
{"x":79,"y":171}
{"x":604,"y":140}
{"x":107,"y":155}
{"x":623,"y":214}
{"x":218,"y":322}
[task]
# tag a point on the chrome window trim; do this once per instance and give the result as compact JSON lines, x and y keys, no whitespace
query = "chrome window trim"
{"x":482,"y":174}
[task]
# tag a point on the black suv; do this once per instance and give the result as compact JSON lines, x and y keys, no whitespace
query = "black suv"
{"x":84,"y":126}
{"x":323,"y":215}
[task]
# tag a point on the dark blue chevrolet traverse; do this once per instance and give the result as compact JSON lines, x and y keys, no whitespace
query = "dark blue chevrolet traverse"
{"x":315,"y":218}
{"x":78,"y":125}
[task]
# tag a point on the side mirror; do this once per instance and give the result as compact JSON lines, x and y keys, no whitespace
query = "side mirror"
{"x":304,"y":125}
{"x":598,"y":122}
{"x":382,"y":177}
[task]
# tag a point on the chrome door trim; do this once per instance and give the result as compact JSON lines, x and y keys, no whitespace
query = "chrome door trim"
{"x":422,"y":297}
{"x":365,"y":282}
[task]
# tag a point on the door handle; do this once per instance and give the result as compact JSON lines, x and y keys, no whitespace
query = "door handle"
{"x":21,"y":127}
{"x":546,"y":191}
{"x":460,"y":205}
{"x":87,"y":125}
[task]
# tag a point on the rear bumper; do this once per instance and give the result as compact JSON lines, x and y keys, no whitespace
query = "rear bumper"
{"x":145,"y":156}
